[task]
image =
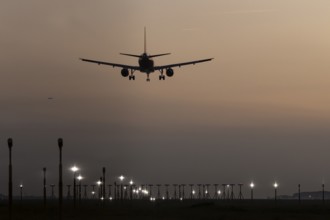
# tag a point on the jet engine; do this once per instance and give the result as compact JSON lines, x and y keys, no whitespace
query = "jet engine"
{"x":169,"y":72}
{"x":124,"y":72}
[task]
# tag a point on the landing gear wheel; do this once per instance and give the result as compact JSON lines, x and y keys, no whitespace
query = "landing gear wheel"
{"x":132,"y":77}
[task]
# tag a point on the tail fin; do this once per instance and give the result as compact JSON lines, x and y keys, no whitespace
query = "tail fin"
{"x":145,"y":40}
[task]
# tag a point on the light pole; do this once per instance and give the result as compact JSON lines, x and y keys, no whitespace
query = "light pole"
{"x":10,"y":182}
{"x":131,"y":189}
{"x":74,"y":169}
{"x":21,"y":191}
{"x":93,"y":191}
{"x":275,"y":187}
{"x":121,"y":178}
{"x":215,"y":191}
{"x":191,"y":191}
{"x":60,"y":181}
{"x":44,"y":189}
{"x":109,"y":193}
{"x":252,"y":187}
{"x":299,"y":193}
{"x":219,"y":194}
{"x":53,"y":195}
{"x":68,"y":193}
{"x":79,"y":178}
{"x":183,"y":191}
{"x":99,"y":188}
{"x":167,"y":192}
{"x":103,"y":186}
{"x":85,"y":191}
{"x":323,"y":192}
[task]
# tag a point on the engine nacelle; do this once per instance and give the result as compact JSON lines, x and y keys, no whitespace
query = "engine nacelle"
{"x":124,"y":72}
{"x":169,"y":72}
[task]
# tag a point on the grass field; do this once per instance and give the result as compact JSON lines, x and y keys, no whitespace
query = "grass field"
{"x":173,"y":210}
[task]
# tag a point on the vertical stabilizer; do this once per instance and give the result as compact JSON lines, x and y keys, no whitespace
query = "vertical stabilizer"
{"x":145,"y":40}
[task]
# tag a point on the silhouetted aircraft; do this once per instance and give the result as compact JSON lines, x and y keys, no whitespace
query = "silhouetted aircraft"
{"x":146,"y":64}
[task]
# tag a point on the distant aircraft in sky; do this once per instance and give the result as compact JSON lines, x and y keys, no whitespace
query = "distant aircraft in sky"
{"x":146,"y":64}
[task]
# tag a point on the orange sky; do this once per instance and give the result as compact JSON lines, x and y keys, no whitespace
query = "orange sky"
{"x":269,"y":83}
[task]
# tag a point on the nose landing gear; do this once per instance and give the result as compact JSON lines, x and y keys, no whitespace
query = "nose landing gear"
{"x":131,"y":77}
{"x":161,"y":77}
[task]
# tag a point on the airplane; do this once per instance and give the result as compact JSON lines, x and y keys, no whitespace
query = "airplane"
{"x":146,"y":64}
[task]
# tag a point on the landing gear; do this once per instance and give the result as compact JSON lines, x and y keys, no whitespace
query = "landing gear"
{"x":131,"y":77}
{"x":161,"y":77}
{"x":148,"y":79}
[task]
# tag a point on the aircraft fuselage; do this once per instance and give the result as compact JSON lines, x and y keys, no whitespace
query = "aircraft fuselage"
{"x":146,"y":64}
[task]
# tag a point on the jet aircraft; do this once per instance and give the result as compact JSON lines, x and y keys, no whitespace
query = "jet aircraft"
{"x":146,"y":64}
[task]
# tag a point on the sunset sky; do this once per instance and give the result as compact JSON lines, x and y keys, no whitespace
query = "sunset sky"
{"x":259,"y":111}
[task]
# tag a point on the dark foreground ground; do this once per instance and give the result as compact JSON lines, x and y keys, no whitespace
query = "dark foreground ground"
{"x":219,"y":210}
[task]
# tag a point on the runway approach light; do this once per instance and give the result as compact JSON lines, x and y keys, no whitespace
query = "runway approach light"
{"x":121,"y":178}
{"x":74,"y":169}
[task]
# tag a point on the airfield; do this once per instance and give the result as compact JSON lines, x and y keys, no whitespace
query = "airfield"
{"x":172,"y":210}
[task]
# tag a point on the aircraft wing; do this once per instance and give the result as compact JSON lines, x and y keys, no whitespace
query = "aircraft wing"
{"x":182,"y":64}
{"x":111,"y":64}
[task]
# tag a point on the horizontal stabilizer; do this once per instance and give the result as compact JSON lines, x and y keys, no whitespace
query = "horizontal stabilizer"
{"x":131,"y":55}
{"x":158,"y":55}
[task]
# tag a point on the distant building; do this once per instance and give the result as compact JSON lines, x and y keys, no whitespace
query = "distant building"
{"x":312,"y":195}
{"x":318,"y":195}
{"x":3,"y":197}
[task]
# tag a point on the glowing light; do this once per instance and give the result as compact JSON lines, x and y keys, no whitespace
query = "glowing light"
{"x":102,"y":198}
{"x":252,"y":185}
{"x":121,"y":178}
{"x":110,"y":198}
{"x":21,"y":185}
{"x":193,"y":192}
{"x":219,"y":192}
{"x":163,"y":198}
{"x":275,"y":185}
{"x":74,"y":169}
{"x":181,"y":198}
{"x":131,"y":182}
{"x":206,"y":192}
{"x":93,"y":192}
{"x":99,"y":182}
{"x":79,"y":177}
